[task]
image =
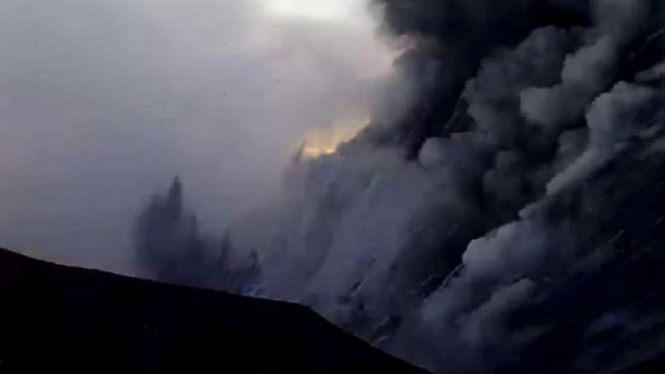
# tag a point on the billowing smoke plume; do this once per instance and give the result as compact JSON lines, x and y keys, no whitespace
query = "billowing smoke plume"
{"x":509,"y":219}
{"x":570,"y":140}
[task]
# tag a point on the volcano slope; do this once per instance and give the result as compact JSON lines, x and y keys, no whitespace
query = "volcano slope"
{"x":67,"y":319}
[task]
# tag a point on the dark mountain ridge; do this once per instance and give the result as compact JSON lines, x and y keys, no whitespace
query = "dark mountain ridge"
{"x":54,"y":317}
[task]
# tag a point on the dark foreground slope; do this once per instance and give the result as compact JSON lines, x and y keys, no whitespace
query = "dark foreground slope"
{"x":61,"y":319}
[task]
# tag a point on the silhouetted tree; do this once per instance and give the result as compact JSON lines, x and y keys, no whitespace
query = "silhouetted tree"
{"x":170,"y":247}
{"x":168,"y":243}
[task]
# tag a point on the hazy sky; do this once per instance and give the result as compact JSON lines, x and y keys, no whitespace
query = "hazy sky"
{"x":103,"y":102}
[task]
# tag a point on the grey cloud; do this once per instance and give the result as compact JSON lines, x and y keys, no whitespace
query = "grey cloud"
{"x":585,"y":74}
{"x":613,"y":117}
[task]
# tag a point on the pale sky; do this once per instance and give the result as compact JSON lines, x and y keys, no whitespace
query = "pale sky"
{"x":103,"y":102}
{"x":342,"y":11}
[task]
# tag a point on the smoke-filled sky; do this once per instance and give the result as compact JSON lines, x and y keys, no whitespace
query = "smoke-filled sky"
{"x":103,"y":102}
{"x":508,"y":209}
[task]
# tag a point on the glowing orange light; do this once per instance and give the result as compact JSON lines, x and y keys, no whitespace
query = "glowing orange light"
{"x":324,"y":141}
{"x":314,"y":152}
